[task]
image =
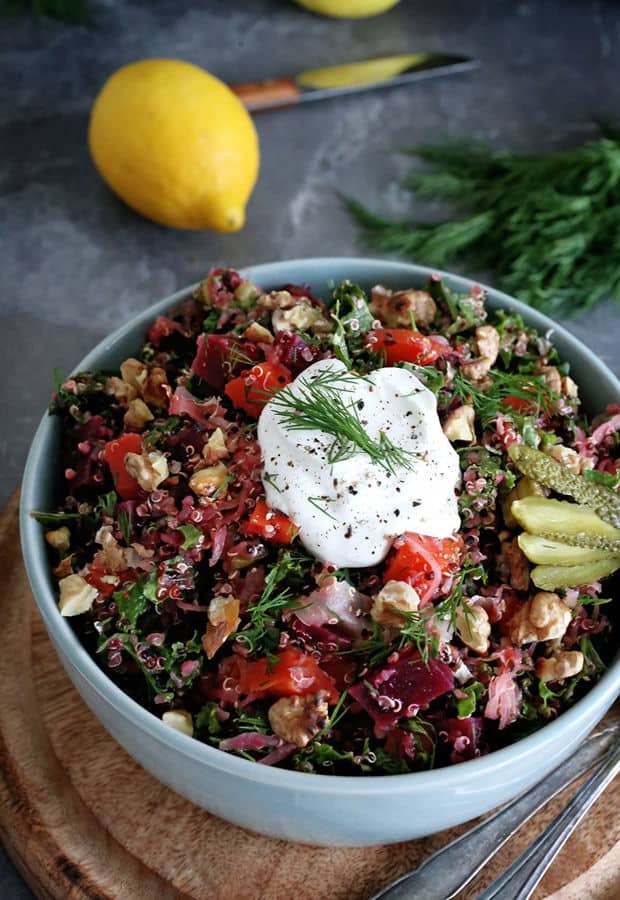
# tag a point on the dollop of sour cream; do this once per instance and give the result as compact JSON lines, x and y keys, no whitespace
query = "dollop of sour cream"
{"x":350,"y":511}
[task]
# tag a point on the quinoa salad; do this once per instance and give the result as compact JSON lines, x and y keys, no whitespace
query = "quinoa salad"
{"x":370,"y":533}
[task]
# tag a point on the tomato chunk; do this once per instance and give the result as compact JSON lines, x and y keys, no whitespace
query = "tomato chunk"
{"x":271,"y":525}
{"x":423,"y":562}
{"x":114,"y":454}
{"x":521,"y":405}
{"x":255,"y":387}
{"x":95,"y":575}
{"x":295,"y":672}
{"x":403,"y":345}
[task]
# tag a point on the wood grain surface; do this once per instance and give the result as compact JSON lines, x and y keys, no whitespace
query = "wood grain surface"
{"x":81,"y":819}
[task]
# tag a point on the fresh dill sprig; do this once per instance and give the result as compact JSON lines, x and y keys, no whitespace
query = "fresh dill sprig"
{"x":124,"y":525}
{"x":417,"y":632}
{"x":222,"y":487}
{"x":425,"y":739}
{"x":317,"y":501}
{"x":319,"y":405}
{"x":272,"y":480}
{"x":268,"y":608}
{"x":448,"y":608}
{"x":488,"y":403}
{"x":374,"y":648}
{"x":548,"y":225}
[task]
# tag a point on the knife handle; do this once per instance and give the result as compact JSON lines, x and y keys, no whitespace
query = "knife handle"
{"x":270,"y":94}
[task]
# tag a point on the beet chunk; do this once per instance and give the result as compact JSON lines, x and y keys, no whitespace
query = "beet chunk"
{"x":464,"y":736}
{"x":217,"y":358}
{"x":402,"y":688}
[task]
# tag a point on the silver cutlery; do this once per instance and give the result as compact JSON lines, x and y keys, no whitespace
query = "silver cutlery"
{"x":449,"y":870}
{"x":519,"y":881}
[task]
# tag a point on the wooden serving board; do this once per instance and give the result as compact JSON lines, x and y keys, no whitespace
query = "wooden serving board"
{"x":82,"y":820}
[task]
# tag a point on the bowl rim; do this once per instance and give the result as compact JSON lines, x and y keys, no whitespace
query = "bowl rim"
{"x":73,"y":654}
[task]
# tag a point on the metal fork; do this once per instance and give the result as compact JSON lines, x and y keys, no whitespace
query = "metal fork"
{"x":519,"y":881}
{"x":449,"y":870}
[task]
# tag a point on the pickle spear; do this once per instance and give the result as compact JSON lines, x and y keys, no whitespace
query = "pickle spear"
{"x":540,"y":550}
{"x":550,"y":578}
{"x":552,"y":474}
{"x":540,"y":515}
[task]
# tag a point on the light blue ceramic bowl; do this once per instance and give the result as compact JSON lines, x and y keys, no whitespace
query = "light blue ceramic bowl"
{"x":315,"y":809}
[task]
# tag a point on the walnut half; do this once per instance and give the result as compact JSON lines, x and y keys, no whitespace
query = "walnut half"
{"x":563,"y":664}
{"x":298,"y":719}
{"x":545,"y":617}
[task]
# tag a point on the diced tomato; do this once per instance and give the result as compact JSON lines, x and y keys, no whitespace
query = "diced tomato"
{"x":295,"y":672}
{"x":403,"y":345}
{"x":270,"y":525}
{"x":423,"y":562}
{"x":94,"y":575}
{"x":114,"y":454}
{"x":255,"y":387}
{"x":519,"y":404}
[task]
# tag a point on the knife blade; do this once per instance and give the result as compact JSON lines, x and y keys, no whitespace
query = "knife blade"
{"x":349,"y":78}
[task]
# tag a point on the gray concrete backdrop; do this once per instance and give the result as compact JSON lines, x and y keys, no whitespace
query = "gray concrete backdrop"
{"x":76,"y":262}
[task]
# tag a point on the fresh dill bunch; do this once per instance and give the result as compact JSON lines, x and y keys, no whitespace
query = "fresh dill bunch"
{"x":548,"y":226}
{"x":321,"y":405}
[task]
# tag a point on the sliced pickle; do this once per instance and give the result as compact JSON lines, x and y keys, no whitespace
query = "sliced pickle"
{"x":550,"y":578}
{"x":594,"y":541}
{"x":552,"y":474}
{"x":524,"y":487}
{"x":553,"y":553}
{"x":539,"y":515}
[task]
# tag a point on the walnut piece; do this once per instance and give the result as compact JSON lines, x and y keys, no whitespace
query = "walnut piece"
{"x":215,"y":448}
{"x":397,"y":309}
{"x":258,"y":334}
{"x":112,"y":556}
{"x":149,"y":469}
{"x":569,"y":458}
{"x":544,"y":617}
{"x":147,"y":381}
{"x":76,"y":595}
{"x":563,"y":664}
{"x":569,"y":387}
{"x":552,"y":377}
{"x":277,"y":300}
{"x":223,"y":618}
{"x":473,"y":628}
{"x":137,"y":415}
{"x":205,"y":481}
{"x":59,"y":539}
{"x":486,"y":344}
{"x":180,"y":720}
{"x":302,"y":317}
{"x":298,"y":719}
{"x":459,"y":426}
{"x":394,"y":596}
{"x":122,"y":391}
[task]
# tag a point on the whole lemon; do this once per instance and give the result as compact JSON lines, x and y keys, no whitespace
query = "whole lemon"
{"x":348,"y":9}
{"x":175,"y":144}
